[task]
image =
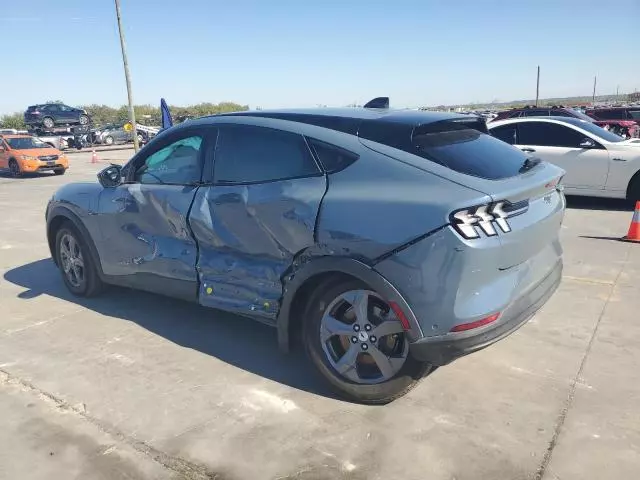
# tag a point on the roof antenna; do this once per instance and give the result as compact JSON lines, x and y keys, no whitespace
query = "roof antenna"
{"x":378,"y":102}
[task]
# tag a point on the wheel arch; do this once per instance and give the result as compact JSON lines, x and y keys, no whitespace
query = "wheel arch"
{"x":311,"y":275}
{"x":55,"y":219}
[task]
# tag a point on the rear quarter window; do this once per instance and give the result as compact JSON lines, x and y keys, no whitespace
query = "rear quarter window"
{"x":470,"y":152}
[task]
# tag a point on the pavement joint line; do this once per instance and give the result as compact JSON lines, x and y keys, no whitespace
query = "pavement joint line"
{"x":185,"y":469}
{"x":595,"y":281}
{"x":540,"y":473}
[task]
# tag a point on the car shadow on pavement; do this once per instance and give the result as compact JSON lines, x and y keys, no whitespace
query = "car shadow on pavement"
{"x":236,"y":340}
{"x":596,"y":203}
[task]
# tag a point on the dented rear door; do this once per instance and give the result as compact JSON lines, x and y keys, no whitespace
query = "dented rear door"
{"x":258,"y":214}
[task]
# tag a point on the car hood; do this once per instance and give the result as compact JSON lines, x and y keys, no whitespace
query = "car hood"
{"x":38,"y":152}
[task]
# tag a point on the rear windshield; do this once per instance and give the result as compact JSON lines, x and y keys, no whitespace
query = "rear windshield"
{"x":471,"y":152}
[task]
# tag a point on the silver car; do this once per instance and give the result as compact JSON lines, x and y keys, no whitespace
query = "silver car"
{"x":389,"y":242}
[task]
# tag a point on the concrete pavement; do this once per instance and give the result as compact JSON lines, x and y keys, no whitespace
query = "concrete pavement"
{"x":183,"y":392}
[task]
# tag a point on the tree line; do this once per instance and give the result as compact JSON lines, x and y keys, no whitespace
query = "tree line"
{"x":145,"y":114}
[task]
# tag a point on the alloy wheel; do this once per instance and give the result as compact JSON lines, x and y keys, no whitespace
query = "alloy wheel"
{"x":72,"y":261}
{"x":362,"y":338}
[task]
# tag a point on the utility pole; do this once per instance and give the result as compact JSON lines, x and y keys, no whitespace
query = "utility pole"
{"x":617,"y":93}
{"x":132,"y":113}
{"x":593,"y":99}
{"x":538,"y":86}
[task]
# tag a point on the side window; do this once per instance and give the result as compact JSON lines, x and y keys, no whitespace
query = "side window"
{"x":332,"y":158}
{"x":506,"y":133}
{"x":560,"y":113}
{"x":64,"y":108}
{"x":177,"y":163}
{"x":548,"y":135}
{"x":515,"y":114}
{"x":248,"y":154}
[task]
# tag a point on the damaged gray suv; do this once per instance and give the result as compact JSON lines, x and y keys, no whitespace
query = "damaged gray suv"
{"x":388,"y":242}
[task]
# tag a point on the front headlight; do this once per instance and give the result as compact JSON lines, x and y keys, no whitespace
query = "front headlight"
{"x":28,"y":157}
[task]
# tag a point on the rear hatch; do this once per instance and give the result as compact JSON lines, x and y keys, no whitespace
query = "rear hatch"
{"x":526,"y":189}
{"x":31,"y":113}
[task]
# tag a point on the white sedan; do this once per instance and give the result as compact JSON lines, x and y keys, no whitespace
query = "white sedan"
{"x":598,"y":163}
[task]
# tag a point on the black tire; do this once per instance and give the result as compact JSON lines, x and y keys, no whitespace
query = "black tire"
{"x":633,"y":191}
{"x":405,"y":379}
{"x":83,"y":119}
{"x":47,"y":122}
{"x":108,"y":140}
{"x":91,"y":285}
{"x":60,"y":171}
{"x":14,"y":168}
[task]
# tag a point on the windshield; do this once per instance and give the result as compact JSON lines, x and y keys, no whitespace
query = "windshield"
{"x":601,"y":132}
{"x":582,"y":116}
{"x":25,"y":143}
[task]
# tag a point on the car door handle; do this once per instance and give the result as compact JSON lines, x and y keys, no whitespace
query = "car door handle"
{"x":529,"y":150}
{"x":619,"y":159}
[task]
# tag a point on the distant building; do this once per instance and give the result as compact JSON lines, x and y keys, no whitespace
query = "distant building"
{"x":634,"y":97}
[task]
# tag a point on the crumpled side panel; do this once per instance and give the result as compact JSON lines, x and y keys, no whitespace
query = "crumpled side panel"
{"x":145,"y":230}
{"x":248,"y":236}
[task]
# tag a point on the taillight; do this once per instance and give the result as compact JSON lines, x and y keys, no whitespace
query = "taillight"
{"x":466,"y":220}
{"x":477,"y":324}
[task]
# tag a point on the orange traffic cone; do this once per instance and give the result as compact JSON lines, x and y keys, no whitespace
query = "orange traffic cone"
{"x":94,"y":157}
{"x":634,"y":228}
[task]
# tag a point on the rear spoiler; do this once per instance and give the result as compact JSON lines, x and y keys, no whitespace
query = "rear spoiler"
{"x":378,"y":102}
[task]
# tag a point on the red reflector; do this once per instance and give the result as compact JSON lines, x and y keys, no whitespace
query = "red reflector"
{"x":478,"y":323}
{"x":400,"y":314}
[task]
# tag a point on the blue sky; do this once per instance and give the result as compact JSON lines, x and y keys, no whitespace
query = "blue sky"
{"x":276,"y":53}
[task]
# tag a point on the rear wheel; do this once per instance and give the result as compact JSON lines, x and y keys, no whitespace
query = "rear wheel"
{"x":358,"y":345}
{"x":76,"y":264}
{"x":48,"y":122}
{"x":83,"y":120}
{"x":14,"y":168}
{"x":108,"y":140}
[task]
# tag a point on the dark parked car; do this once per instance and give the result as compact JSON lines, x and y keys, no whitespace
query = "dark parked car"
{"x":51,"y":114}
{"x":390,"y":241}
{"x":615,"y":113}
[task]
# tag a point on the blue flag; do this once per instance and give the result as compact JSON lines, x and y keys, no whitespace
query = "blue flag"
{"x":166,"y":114}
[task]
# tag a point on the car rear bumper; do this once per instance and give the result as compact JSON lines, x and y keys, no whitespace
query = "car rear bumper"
{"x":443,"y":349}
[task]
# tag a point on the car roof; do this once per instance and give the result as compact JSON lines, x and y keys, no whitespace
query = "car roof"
{"x":578,"y":122}
{"x":347,"y":120}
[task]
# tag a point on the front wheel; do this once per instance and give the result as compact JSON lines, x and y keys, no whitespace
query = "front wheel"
{"x":356,"y":342}
{"x":14,"y":168}
{"x":60,"y":171}
{"x":79,"y":272}
{"x":83,"y":120}
{"x":108,"y":140}
{"x":633,"y":192}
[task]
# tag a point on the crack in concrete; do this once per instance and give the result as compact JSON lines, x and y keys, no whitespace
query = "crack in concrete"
{"x":577,"y":379}
{"x":185,"y":469}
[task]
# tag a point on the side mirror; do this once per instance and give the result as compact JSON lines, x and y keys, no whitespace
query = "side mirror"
{"x":587,"y":143}
{"x":111,"y":176}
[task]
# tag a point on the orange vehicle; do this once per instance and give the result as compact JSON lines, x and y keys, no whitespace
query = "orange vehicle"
{"x":26,"y":154}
